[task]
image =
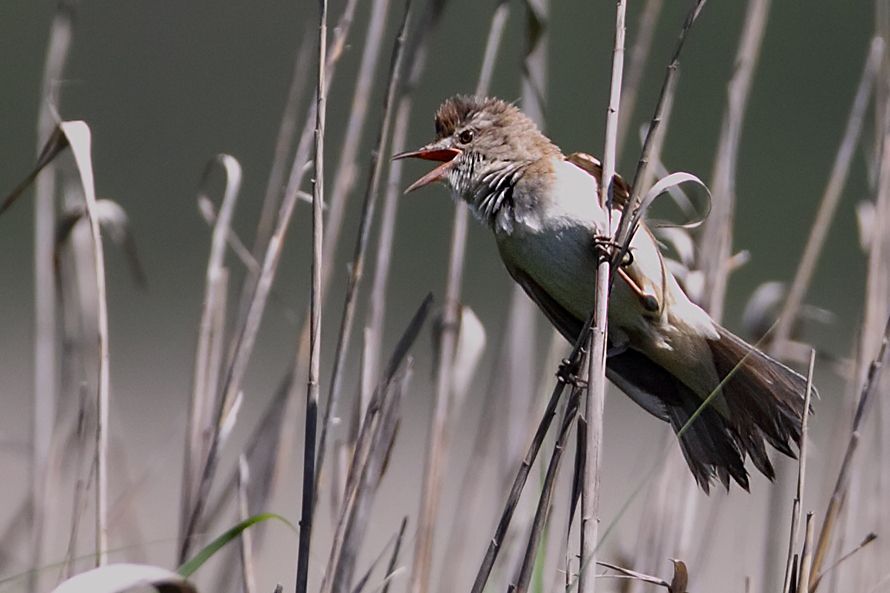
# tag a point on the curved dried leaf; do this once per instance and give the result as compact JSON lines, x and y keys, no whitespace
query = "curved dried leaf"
{"x":119,"y":578}
{"x":681,"y":577}
{"x":665,"y":184}
{"x":467,"y":352}
{"x":115,"y":223}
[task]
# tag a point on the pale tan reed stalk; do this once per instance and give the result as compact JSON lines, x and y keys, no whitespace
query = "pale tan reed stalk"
{"x":315,"y":305}
{"x":436,"y":447}
{"x":597,"y":345}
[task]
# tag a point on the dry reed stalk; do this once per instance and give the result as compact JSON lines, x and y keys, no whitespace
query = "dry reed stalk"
{"x":277,"y":207}
{"x":366,"y":577}
{"x":255,"y":296}
{"x":801,"y":478}
{"x":273,"y":201}
{"x":45,"y":314}
{"x":369,"y":206}
{"x":838,"y":496}
{"x":651,"y":151}
{"x":76,"y":135}
{"x":716,"y":238}
{"x":436,"y":455}
{"x":315,"y":305}
{"x":831,"y":196}
{"x":211,"y":330}
{"x":495,"y":544}
{"x":382,"y":264}
{"x":639,"y":54}
{"x":377,"y":462}
{"x":283,"y":143}
{"x":545,"y":501}
{"x":516,"y":396}
{"x":416,"y":53}
{"x":246,"y":538}
{"x":471,"y":488}
{"x":667,"y":515}
{"x":534,"y":65}
{"x":597,"y":341}
{"x":667,"y":525}
{"x":347,"y":163}
{"x":806,"y":559}
{"x":368,"y":447}
{"x":394,"y":559}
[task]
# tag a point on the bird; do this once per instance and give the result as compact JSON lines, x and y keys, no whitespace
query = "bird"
{"x":664,"y":351}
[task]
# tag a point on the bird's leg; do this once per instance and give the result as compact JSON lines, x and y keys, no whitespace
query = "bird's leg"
{"x":569,"y":370}
{"x":605,"y":246}
{"x":649,"y":302}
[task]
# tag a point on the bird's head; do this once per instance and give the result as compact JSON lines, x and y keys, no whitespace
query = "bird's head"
{"x":484,"y":146}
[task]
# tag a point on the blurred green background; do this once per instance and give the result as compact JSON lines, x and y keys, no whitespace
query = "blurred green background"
{"x":166,"y":84}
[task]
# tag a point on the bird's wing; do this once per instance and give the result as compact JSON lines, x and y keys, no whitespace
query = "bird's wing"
{"x":644,"y":381}
{"x":592,"y":165}
{"x":646,"y":275}
{"x":564,"y":321}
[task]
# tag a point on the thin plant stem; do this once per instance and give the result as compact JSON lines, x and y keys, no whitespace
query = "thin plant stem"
{"x":245,"y":335}
{"x":274,"y":205}
{"x":542,"y":512}
{"x":283,"y":143}
{"x":437,"y":444}
{"x":308,"y":502}
{"x":367,"y":446}
{"x":806,"y":558}
{"x":838,"y":495}
{"x":246,"y":538}
{"x":596,"y":370}
{"x":394,"y":559}
{"x":45,"y":312}
{"x":629,"y":220}
{"x":716,"y":238}
{"x":347,"y":163}
{"x":831,"y":196}
{"x":210,"y":330}
{"x":416,"y":52}
{"x":801,"y":478}
{"x":369,"y":206}
{"x":639,"y":54}
{"x":651,"y":151}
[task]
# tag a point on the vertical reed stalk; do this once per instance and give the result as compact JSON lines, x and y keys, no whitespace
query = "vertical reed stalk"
{"x":435,"y":456}
{"x":45,"y":314}
{"x":639,"y":54}
{"x":831,"y":196}
{"x":369,"y":207}
{"x":716,"y":238}
{"x":801,"y":479}
{"x":596,"y":370}
{"x":308,"y":503}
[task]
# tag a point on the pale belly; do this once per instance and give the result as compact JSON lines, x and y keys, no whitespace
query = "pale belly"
{"x":561,"y":260}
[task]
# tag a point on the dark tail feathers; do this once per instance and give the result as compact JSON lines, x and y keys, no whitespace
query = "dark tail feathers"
{"x":761,"y":402}
{"x":765,"y":401}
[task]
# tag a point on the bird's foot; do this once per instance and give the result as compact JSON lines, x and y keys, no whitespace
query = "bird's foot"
{"x":568,"y":373}
{"x":606,"y":246}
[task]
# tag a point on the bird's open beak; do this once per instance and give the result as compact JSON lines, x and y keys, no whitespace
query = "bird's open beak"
{"x":431,"y":152}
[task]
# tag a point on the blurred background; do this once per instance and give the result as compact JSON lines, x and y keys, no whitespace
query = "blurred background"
{"x":166,"y":85}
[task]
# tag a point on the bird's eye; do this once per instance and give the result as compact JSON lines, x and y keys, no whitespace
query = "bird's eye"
{"x":466,"y":136}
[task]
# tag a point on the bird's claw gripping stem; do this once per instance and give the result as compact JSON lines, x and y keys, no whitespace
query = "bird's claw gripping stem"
{"x":568,"y":373}
{"x":606,"y":246}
